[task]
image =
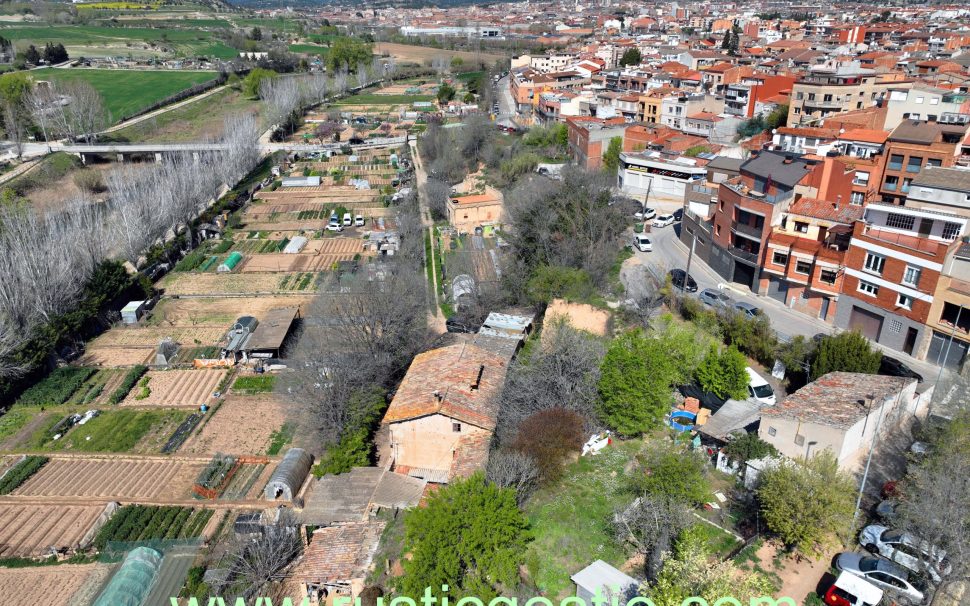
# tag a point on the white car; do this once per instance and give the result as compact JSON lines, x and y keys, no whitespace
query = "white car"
{"x":642,"y":243}
{"x":645,"y":215}
{"x":905,"y":550}
{"x":334,"y":224}
{"x":663,"y":221}
{"x":348,"y":220}
{"x":359,"y":221}
{"x":885,"y":575}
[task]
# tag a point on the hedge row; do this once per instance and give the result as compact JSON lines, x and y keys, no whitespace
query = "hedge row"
{"x":129,"y":382}
{"x":19,"y":473}
{"x":56,"y":387}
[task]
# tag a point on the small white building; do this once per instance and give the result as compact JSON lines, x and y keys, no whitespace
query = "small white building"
{"x":601,"y":579}
{"x":639,"y":173}
{"x":131,"y":313}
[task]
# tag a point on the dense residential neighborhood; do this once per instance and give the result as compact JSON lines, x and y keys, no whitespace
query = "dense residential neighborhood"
{"x":568,"y":302}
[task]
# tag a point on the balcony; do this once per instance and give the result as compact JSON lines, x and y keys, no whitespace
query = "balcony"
{"x":749,"y":231}
{"x":923,"y":245}
{"x":747,"y":192}
{"x":822,"y":104}
{"x":744,"y":255}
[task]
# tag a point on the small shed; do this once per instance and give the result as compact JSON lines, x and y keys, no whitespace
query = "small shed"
{"x":295,"y":245}
{"x":289,"y":475}
{"x":131,"y":313}
{"x":230,"y":263}
{"x":605,"y":580}
{"x":301,"y":181}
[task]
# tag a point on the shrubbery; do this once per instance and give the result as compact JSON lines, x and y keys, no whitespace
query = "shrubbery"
{"x":57,"y":387}
{"x":20,"y":473}
{"x":549,"y":437}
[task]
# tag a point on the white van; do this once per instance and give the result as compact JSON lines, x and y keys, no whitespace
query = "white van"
{"x":348,"y":220}
{"x":359,"y":221}
{"x":759,"y":389}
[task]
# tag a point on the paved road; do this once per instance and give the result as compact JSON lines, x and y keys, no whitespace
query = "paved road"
{"x":506,"y":105}
{"x":669,"y":253}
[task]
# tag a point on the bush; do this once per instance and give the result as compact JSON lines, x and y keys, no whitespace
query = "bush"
{"x":635,"y":383}
{"x":20,"y":473}
{"x":674,"y":473}
{"x":353,"y":450}
{"x":254,"y":384}
{"x":723,"y":374}
{"x":549,"y":437}
{"x":130,"y":380}
{"x":90,"y":181}
{"x":846,"y":352}
{"x":56,"y":388}
{"x":748,"y":447}
{"x":550,"y":282}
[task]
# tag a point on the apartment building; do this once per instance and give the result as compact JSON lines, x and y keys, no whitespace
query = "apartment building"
{"x":652,"y":173}
{"x":893,"y":266}
{"x":528,"y":85}
{"x":590,"y":137}
{"x":913,"y":145}
{"x":805,"y":259}
{"x":824,"y":91}
{"x":863,"y":149}
{"x":923,"y":102}
{"x":741,"y":99}
{"x":676,"y":108}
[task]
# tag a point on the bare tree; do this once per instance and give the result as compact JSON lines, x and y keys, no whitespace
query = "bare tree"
{"x":15,"y":127}
{"x":438,"y":195}
{"x":561,"y":372}
{"x":281,"y":97}
{"x":340,"y":80}
{"x":258,"y":562}
{"x":43,"y":104}
{"x":84,"y":113}
{"x":651,"y":523}
{"x":513,"y":469}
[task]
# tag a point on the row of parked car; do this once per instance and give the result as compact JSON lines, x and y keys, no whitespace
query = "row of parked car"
{"x":335,"y":224}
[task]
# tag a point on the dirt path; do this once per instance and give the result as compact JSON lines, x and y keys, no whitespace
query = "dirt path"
{"x":798,"y":578}
{"x":436,"y":321}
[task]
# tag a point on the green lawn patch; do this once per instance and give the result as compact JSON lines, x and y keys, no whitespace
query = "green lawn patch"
{"x":254,"y":384}
{"x":127,"y":92}
{"x":310,"y":49}
{"x":571,"y":519}
{"x":280,"y":438}
{"x":117,"y":430}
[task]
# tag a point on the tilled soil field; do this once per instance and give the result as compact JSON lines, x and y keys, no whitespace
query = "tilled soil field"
{"x":117,"y":356}
{"x":185,"y":311}
{"x":30,"y":530}
{"x":209,"y":284}
{"x":151,"y":336}
{"x":52,"y":585}
{"x":241,"y":425}
{"x":115,"y":478}
{"x":190,"y":388}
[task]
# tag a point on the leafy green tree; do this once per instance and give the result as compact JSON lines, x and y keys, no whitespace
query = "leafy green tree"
{"x":348,"y":52}
{"x":691,"y":570}
{"x":777,"y":118}
{"x":256,"y":34}
{"x":32,"y":55}
{"x":13,"y":87}
{"x":675,"y":473}
{"x":470,"y":536}
{"x":726,"y":41}
{"x":456,"y":63}
{"x":446,"y":93}
{"x":254,"y":80}
{"x":55,"y":53}
{"x":635,"y":383}
{"x":807,"y":503}
{"x":846,"y":352}
{"x":611,"y":159}
{"x":753,"y":336}
{"x":748,"y":447}
{"x":631,"y":56}
{"x":562,"y":135}
{"x":723,"y":373}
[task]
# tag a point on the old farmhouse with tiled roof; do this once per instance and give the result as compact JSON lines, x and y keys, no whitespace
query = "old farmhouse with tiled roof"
{"x":840,"y":411}
{"x":442,"y":417}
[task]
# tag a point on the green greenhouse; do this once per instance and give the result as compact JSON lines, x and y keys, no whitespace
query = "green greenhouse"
{"x":134,"y":579}
{"x":231,"y":262}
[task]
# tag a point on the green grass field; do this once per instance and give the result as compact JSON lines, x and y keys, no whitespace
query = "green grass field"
{"x":116,"y":430}
{"x":81,"y":38}
{"x":371,"y":99}
{"x":128,"y":91}
{"x":310,"y":49}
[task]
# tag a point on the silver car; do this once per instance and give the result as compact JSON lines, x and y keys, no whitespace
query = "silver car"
{"x":884,"y":574}
{"x":906,"y":550}
{"x":714,"y":298}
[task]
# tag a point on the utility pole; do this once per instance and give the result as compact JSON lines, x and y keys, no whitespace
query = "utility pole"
{"x":690,"y":257}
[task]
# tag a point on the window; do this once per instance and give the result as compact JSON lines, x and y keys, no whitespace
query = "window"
{"x":801,"y":227}
{"x":857,"y":198}
{"x":911,"y":276}
{"x":861,"y":178}
{"x":904,"y":301}
{"x":919,"y":100}
{"x":779,"y":258}
{"x":913,"y":164}
{"x":934,"y":100}
{"x":934,"y":162}
{"x":914,"y":116}
{"x":895,"y":326}
{"x":772,"y":431}
{"x":827,"y":98}
{"x":905,"y":187}
{"x":456,"y":427}
{"x":900,"y":221}
{"x":803,"y":267}
{"x":799,"y":96}
{"x":869,"y":288}
{"x":798,"y":110}
{"x":875,"y":263}
{"x":891,"y":182}
{"x":811,"y":96}
{"x":951,"y":230}
{"x":827,"y":276}
{"x":720,"y":205}
{"x":895,"y":162}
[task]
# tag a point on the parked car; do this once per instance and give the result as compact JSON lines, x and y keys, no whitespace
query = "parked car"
{"x":348,"y":220}
{"x":850,"y":590}
{"x":889,"y":577}
{"x":759,"y":389}
{"x":714,"y":298}
{"x":747,"y":309}
{"x":886,"y":510}
{"x":642,"y":243}
{"x":645,"y":214}
{"x":359,"y":221}
{"x":891,"y":367}
{"x":906,"y":550}
{"x":334,"y":223}
{"x":663,"y":221}
{"x":677,"y":277}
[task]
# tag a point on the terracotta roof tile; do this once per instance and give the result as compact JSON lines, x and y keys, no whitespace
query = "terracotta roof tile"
{"x":338,"y":554}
